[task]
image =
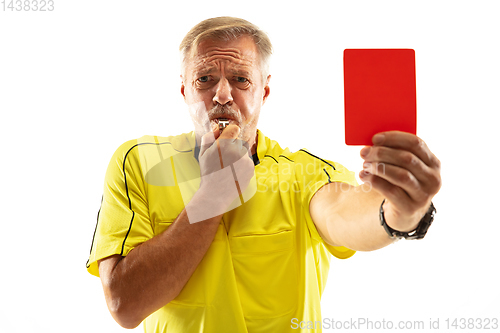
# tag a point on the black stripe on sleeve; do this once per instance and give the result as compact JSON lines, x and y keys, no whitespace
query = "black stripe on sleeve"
{"x":305,"y":151}
{"x":329,"y":181}
{"x":271,"y":157}
{"x":287,"y":158}
{"x":93,"y":237}
{"x":126,"y":186}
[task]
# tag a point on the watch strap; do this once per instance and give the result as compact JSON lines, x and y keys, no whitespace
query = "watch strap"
{"x":418,"y":233}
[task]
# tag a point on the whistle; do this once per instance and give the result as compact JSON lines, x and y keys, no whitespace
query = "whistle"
{"x":223,"y":122}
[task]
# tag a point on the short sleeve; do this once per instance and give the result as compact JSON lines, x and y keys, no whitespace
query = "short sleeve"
{"x":123,"y":219}
{"x":326,"y":172}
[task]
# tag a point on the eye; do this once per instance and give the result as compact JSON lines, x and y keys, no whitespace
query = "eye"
{"x":203,"y":78}
{"x":241,"y":79}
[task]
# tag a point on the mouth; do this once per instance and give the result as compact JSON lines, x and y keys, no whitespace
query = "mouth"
{"x":223,"y":122}
{"x":221,"y":119}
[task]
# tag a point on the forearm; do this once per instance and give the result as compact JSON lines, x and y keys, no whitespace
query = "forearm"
{"x":155,"y":272}
{"x":353,"y":219}
{"x":399,"y":168}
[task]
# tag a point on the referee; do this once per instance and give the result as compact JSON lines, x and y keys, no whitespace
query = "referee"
{"x":223,"y":230}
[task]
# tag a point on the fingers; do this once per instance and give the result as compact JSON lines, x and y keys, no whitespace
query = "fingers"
{"x":401,"y":167}
{"x":207,"y":140}
{"x":408,"y":142}
{"x":230,"y":133}
{"x":380,"y":156}
{"x":395,"y":183}
{"x":232,"y":148}
{"x":391,"y":192}
{"x":226,"y":168}
{"x":219,"y":150}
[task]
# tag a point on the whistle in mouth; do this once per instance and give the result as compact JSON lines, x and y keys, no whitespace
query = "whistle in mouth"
{"x":223,"y":122}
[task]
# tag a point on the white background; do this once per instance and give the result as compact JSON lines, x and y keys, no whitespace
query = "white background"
{"x":77,"y":82}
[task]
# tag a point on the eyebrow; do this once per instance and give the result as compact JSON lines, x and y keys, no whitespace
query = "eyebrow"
{"x":209,"y":70}
{"x":240,"y":72}
{"x":204,"y":71}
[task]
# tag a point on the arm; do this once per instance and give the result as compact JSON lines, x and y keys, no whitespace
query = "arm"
{"x":399,"y":168}
{"x":154,"y":273}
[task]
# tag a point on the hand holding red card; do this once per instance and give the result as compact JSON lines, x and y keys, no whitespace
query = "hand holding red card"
{"x":379,"y":93}
{"x":380,"y":96}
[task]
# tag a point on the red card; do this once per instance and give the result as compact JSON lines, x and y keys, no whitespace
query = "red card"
{"x":379,"y":93}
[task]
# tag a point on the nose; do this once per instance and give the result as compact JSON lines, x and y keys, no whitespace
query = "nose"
{"x":223,"y":92}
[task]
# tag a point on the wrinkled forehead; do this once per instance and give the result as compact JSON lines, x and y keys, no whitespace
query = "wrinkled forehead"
{"x":240,"y":54}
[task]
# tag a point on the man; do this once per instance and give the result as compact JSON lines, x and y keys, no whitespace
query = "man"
{"x":225,"y":231}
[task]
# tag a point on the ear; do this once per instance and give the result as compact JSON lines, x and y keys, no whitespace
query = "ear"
{"x":182,"y":88}
{"x":267,"y":90}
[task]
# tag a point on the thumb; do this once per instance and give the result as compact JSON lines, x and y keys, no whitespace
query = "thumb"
{"x":231,"y":132}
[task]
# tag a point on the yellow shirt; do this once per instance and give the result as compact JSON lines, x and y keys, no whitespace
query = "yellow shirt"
{"x":267,"y":264}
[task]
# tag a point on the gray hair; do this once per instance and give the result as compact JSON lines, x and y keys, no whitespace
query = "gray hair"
{"x":226,"y":28}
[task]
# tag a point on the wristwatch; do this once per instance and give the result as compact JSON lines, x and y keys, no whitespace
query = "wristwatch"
{"x":418,"y":233}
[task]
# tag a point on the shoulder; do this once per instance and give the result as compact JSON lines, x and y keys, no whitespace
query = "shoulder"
{"x":305,"y":162}
{"x":147,"y":151}
{"x":274,"y":153}
{"x":181,"y":142}
{"x":269,"y":148}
